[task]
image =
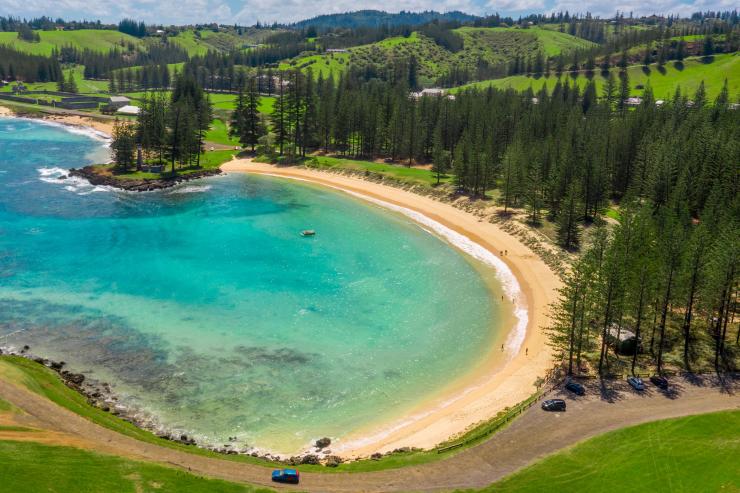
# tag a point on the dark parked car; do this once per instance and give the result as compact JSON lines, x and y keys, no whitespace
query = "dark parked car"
{"x":576,"y":388}
{"x":660,"y":382}
{"x":286,"y":476}
{"x":636,"y":383}
{"x":554,"y":405}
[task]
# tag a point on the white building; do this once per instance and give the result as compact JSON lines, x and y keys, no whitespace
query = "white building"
{"x":128,"y":110}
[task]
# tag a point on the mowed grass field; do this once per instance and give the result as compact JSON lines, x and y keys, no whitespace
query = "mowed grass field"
{"x":33,"y":467}
{"x":663,"y":81}
{"x":84,"y":86}
{"x":101,"y":40}
{"x":691,"y":454}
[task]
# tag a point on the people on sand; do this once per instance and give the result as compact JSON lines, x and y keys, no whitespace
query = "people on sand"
{"x":526,"y":351}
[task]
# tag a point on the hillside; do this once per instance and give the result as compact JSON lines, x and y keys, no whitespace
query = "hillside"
{"x":663,"y":81}
{"x":375,"y":18}
{"x":493,"y":46}
{"x":94,"y":39}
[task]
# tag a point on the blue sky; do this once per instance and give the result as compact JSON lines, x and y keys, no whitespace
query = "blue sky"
{"x":250,"y":11}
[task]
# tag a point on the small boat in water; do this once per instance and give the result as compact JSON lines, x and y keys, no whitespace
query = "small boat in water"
{"x":308,"y":232}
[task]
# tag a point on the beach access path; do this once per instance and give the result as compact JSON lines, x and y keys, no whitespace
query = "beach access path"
{"x":530,"y":437}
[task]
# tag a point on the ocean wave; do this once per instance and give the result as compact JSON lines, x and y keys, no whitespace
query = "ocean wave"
{"x":77,"y":129}
{"x":191,"y":189}
{"x":74,"y":184}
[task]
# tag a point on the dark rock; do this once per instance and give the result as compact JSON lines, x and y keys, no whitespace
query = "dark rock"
{"x":323,"y":442}
{"x":310,"y":459}
{"x":54,"y":365}
{"x":75,"y":378}
{"x":376,"y":456}
{"x":402,"y":450}
{"x":26,"y":347}
{"x":333,"y":461}
{"x":145,"y":185}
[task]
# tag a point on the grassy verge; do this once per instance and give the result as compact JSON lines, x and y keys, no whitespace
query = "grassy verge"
{"x":695,"y":453}
{"x":410,"y":175}
{"x":208,"y":160}
{"x":41,"y":380}
{"x":219,"y":133}
{"x":32,"y":467}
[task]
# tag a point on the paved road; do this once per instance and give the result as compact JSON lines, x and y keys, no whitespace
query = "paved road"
{"x":530,"y":437}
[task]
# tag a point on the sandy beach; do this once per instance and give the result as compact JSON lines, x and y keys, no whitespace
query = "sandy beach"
{"x":491,"y":387}
{"x":105,"y":127}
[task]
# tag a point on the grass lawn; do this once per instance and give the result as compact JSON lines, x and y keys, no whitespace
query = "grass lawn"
{"x":219,"y":133}
{"x":695,"y":453}
{"x":193,"y":45}
{"x":663,"y":81}
{"x":418,"y":176}
{"x":32,"y":467}
{"x":84,"y":86}
{"x":208,"y":160}
{"x":100,"y":40}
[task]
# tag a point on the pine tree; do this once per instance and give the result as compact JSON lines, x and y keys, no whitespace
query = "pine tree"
{"x":123,"y":144}
{"x":568,"y":229}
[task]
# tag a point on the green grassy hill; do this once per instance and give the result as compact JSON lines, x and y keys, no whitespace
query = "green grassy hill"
{"x":695,"y":453}
{"x":492,"y":45}
{"x":663,"y":81}
{"x":94,"y":39}
{"x":31,"y":467}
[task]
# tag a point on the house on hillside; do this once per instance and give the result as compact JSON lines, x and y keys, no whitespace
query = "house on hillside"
{"x":337,"y":50}
{"x":117,"y":102}
{"x":635,"y":101}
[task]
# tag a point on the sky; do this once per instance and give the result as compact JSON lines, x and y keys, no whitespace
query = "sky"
{"x":248,"y":12}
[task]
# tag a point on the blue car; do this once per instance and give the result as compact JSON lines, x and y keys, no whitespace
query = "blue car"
{"x":286,"y":476}
{"x":636,"y":383}
{"x":576,"y":388}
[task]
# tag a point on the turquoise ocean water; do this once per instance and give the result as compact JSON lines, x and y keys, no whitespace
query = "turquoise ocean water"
{"x":203,"y":306}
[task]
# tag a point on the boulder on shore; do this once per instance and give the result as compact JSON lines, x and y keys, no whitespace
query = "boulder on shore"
{"x":323,"y":442}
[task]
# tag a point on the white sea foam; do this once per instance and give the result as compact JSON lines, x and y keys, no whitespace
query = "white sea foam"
{"x":76,"y":129}
{"x":191,"y":189}
{"x":74,"y":184}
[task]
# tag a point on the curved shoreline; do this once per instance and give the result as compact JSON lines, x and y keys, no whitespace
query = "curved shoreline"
{"x":492,"y":386}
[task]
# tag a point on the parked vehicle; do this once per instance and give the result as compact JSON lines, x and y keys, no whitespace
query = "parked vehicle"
{"x":659,"y":381}
{"x":636,"y":383}
{"x":286,"y":476}
{"x":576,"y":388}
{"x":554,"y":405}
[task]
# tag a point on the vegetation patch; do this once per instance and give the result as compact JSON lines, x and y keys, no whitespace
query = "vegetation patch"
{"x":695,"y":453}
{"x":31,"y":467}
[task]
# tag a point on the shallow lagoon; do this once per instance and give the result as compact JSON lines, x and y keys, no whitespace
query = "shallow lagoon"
{"x":203,"y":305}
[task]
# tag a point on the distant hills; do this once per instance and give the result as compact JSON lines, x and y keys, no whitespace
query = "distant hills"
{"x":375,"y":18}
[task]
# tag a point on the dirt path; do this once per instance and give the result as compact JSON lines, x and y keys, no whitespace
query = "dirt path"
{"x":530,"y":437}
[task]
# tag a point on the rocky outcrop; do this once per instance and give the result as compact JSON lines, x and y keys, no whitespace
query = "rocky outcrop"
{"x":98,"y":177}
{"x":323,"y":442}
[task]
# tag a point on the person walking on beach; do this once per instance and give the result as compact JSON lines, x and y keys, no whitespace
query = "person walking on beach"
{"x":526,"y":352}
